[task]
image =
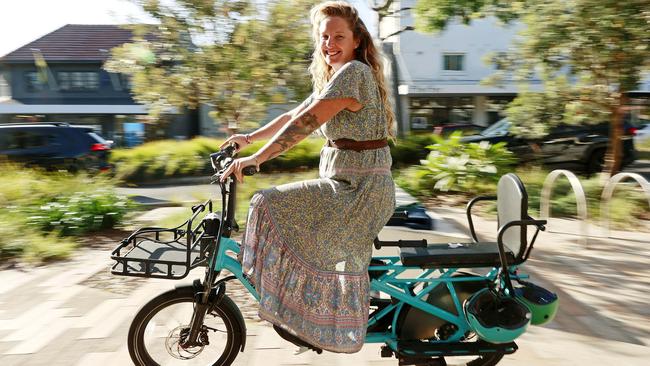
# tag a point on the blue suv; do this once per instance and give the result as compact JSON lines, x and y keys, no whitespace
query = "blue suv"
{"x":55,"y":146}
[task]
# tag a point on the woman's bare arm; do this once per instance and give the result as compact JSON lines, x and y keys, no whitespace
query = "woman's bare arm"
{"x":301,"y":126}
{"x":270,"y":129}
{"x":293,"y":131}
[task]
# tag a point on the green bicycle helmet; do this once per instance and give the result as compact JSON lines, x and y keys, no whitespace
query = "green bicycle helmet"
{"x":543,"y":304}
{"x":496,"y":318}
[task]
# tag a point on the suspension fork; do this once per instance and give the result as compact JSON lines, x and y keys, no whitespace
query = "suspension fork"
{"x":203,"y":302}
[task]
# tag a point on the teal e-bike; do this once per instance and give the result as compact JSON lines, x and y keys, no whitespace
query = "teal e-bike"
{"x":431,"y":304}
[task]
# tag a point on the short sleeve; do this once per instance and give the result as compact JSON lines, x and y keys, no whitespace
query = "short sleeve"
{"x":348,"y":82}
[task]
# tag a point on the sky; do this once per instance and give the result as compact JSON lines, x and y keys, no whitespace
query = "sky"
{"x":23,"y":21}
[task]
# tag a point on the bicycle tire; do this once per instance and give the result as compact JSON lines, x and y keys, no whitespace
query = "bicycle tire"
{"x":225,"y":310}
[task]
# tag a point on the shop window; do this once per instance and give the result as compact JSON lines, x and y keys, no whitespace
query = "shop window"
{"x":441,"y":111}
{"x":496,"y":106}
{"x":419,"y":123}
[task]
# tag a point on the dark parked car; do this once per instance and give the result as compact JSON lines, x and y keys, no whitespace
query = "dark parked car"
{"x":55,"y":146}
{"x":580,"y":146}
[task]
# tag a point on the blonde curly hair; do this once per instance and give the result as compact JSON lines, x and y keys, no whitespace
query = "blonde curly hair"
{"x":367,"y":53}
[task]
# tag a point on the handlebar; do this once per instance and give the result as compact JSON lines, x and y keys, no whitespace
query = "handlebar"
{"x":223,"y":158}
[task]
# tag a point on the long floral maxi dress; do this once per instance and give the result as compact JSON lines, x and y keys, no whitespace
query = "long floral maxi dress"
{"x":307,"y":245}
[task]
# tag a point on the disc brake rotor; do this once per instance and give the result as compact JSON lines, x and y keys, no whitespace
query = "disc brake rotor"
{"x":177,"y":337}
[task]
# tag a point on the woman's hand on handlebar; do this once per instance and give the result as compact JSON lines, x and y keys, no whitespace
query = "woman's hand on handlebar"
{"x":240,"y":141}
{"x":238,"y":165}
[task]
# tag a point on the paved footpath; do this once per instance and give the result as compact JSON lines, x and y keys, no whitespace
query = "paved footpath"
{"x":76,"y":313}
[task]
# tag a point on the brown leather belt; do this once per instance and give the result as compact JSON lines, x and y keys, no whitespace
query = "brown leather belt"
{"x":348,"y":144}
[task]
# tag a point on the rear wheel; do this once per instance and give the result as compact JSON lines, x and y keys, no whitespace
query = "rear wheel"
{"x":158,"y":330}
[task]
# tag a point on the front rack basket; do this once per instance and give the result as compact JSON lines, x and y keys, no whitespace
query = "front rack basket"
{"x":162,"y":252}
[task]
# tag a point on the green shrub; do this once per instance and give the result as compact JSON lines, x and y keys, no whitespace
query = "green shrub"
{"x":162,"y":159}
{"x":169,"y":158}
{"x":411,"y":149}
{"x":38,"y":209}
{"x":77,"y":213}
{"x":305,"y":155}
{"x":457,"y":166}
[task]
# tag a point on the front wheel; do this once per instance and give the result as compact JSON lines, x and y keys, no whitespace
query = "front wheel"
{"x":158,"y":330}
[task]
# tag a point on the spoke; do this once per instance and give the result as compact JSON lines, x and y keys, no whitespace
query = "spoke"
{"x":215,"y":329}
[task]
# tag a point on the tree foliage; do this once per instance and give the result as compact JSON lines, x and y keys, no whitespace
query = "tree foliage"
{"x":233,"y":55}
{"x":433,"y":15}
{"x":588,"y":53}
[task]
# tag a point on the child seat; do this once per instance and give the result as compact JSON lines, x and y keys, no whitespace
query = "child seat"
{"x":510,"y":248}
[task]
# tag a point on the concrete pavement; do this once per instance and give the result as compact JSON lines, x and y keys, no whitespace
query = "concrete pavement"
{"x":76,"y":313}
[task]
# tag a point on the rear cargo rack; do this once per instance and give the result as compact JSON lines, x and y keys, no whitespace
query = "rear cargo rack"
{"x":169,"y":253}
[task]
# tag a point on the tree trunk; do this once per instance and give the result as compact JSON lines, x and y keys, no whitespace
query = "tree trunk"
{"x":614,"y":155}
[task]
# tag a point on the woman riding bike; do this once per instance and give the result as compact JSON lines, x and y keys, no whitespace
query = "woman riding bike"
{"x":308,"y":244}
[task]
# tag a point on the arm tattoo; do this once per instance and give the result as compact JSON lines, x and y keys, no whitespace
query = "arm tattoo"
{"x":293,"y":133}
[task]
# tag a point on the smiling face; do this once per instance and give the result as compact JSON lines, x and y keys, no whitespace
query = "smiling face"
{"x":337,"y":42}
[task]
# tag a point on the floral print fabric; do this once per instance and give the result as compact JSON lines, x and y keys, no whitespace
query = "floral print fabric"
{"x":308,"y":244}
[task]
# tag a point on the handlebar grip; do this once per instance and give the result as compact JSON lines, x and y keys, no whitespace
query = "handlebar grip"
{"x":230,"y":150}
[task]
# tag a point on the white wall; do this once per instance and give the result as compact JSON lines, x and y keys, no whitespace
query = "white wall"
{"x":422,"y":54}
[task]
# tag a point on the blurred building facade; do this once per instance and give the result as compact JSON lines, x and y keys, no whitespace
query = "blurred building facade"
{"x":60,"y":77}
{"x":439,"y":75}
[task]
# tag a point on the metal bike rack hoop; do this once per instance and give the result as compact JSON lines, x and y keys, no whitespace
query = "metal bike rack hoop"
{"x":581,"y":200}
{"x":608,"y":192}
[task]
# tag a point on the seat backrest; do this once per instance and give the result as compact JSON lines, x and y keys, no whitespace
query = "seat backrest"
{"x":512,"y":205}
